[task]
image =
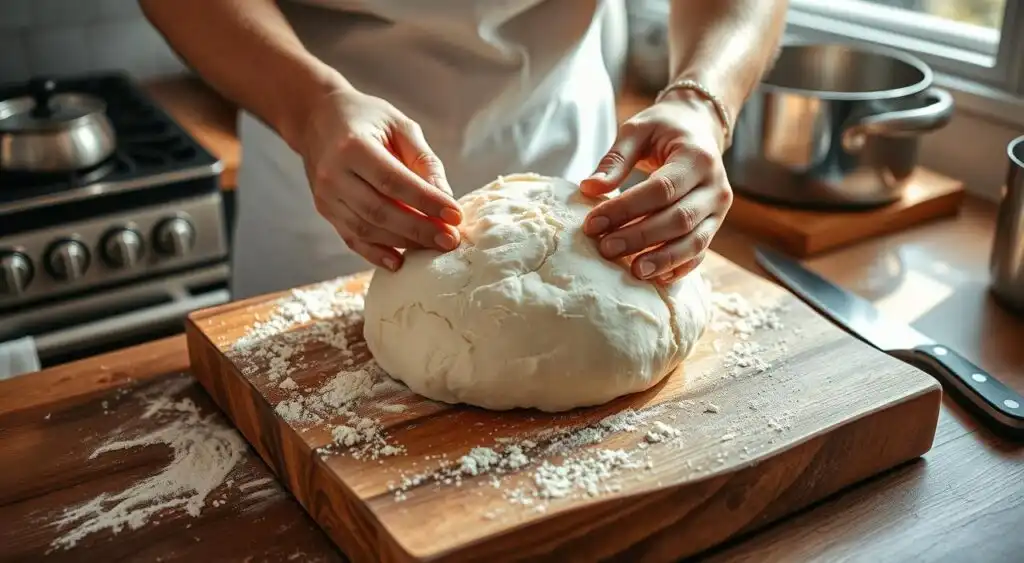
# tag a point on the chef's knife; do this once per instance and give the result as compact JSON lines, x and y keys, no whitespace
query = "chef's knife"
{"x":994,"y":401}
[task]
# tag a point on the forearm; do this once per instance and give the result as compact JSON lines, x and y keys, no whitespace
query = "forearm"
{"x":726,"y":45}
{"x":247,"y":50}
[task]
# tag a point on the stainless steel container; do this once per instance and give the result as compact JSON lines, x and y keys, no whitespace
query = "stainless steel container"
{"x":1007,"y":259}
{"x":835,"y":125}
{"x":49,"y":131}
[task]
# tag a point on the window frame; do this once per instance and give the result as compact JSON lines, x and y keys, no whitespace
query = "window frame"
{"x":984,"y":78}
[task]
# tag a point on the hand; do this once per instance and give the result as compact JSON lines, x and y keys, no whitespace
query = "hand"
{"x":668,"y":220}
{"x":375,"y":179}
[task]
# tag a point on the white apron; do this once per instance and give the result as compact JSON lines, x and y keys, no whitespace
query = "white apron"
{"x":498,"y":86}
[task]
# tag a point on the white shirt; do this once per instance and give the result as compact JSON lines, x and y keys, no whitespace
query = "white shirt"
{"x":498,"y":86}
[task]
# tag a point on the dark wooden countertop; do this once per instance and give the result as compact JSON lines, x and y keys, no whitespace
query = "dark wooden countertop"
{"x":963,"y":501}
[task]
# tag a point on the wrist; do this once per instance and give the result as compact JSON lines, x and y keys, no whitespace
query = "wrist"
{"x":697,"y":95}
{"x":699,"y":112}
{"x":317,"y":84}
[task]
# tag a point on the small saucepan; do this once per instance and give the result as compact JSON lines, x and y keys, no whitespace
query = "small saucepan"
{"x":49,"y":131}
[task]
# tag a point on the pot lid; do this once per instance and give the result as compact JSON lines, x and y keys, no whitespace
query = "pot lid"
{"x":45,"y":110}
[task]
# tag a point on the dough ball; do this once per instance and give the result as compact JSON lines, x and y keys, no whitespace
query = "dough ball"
{"x":526,"y":312}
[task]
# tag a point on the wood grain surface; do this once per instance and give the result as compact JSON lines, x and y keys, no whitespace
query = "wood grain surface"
{"x":819,"y":418}
{"x":53,"y":421}
{"x":804,"y":233}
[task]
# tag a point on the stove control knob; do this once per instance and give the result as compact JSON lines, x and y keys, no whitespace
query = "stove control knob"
{"x":174,"y":237}
{"x":122,"y":248}
{"x":67,"y":260}
{"x":15,"y":273}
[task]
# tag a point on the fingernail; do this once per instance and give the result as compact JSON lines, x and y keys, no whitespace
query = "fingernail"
{"x":390,"y":263}
{"x":646,"y":268}
{"x":614,"y":246}
{"x":451,"y":216}
{"x":597,"y":225}
{"x":446,"y":241}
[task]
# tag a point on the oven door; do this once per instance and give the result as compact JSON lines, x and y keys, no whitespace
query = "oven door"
{"x":88,"y":325}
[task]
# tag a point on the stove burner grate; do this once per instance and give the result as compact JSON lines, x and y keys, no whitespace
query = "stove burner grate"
{"x":149,"y":142}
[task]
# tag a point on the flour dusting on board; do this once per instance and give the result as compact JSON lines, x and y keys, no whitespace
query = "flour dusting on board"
{"x":323,"y":314}
{"x":203,"y":452}
{"x":569,"y":461}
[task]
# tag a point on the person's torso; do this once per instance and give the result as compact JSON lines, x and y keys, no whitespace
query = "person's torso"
{"x":462,"y":69}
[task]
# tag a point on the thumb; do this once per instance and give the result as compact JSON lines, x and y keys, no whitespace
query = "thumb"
{"x":415,"y":153}
{"x":619,"y":161}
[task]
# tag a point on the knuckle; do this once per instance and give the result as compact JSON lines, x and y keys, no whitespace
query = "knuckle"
{"x":703,"y":159}
{"x":612,"y":159}
{"x":351,"y":142}
{"x":321,"y":175}
{"x":702,"y":240}
{"x":686,"y":217}
{"x":428,"y":160}
{"x":725,"y":196}
{"x":665,"y":188}
{"x":377,"y":213}
{"x":361,"y":230}
{"x":387,"y":183}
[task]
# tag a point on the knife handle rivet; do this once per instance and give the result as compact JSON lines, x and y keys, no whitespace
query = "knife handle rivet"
{"x":979,"y":377}
{"x":940,"y":351}
{"x":1010,"y":403}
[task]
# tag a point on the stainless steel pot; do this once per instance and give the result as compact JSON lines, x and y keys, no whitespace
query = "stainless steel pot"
{"x":50,"y":131}
{"x":835,"y":125}
{"x":1007,"y":259}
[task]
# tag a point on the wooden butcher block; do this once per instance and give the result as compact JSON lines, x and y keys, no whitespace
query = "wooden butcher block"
{"x":776,"y":409}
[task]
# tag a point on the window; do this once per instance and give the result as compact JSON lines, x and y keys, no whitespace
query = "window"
{"x":981,"y":41}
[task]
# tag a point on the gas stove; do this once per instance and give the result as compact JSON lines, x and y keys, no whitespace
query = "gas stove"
{"x":118,"y":252}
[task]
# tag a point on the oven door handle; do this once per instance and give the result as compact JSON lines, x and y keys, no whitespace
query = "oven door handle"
{"x":110,"y":329}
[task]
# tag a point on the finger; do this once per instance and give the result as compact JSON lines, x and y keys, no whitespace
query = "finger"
{"x":619,"y":161}
{"x":668,"y":224}
{"x":376,"y":254}
{"x":667,"y":257}
{"x":363,"y":230}
{"x":377,"y":212}
{"x":413,"y":150}
{"x":681,"y":271}
{"x":388,"y":176}
{"x":661,"y":189}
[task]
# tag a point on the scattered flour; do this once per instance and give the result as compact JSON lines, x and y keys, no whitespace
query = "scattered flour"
{"x":736,"y":315}
{"x":324,"y":314}
{"x":204,"y":452}
{"x":576,"y":462}
{"x":741,"y":317}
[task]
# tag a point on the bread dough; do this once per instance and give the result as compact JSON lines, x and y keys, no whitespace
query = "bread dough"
{"x":526,"y":312}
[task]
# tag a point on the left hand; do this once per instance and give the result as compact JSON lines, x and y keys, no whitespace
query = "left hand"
{"x":669,"y":219}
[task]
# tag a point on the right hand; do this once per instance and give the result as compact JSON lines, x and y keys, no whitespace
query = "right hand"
{"x":375,"y":179}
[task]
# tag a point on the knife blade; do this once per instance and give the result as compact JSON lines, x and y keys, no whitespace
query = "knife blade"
{"x":998,"y":405}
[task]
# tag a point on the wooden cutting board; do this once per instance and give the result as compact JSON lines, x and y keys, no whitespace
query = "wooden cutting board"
{"x":725,"y":445}
{"x":804,"y":233}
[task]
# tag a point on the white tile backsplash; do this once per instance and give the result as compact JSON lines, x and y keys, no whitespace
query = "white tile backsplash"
{"x":66,"y":37}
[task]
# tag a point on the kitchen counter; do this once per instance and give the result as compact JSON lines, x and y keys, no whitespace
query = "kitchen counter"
{"x":963,"y":501}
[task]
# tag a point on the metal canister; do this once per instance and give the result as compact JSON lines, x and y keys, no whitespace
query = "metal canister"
{"x":1007,"y":259}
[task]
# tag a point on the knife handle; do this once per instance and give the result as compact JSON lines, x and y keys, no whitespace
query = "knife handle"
{"x":1000,"y":403}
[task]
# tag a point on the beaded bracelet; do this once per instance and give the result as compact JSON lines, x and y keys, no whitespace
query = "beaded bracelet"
{"x":688,"y":84}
